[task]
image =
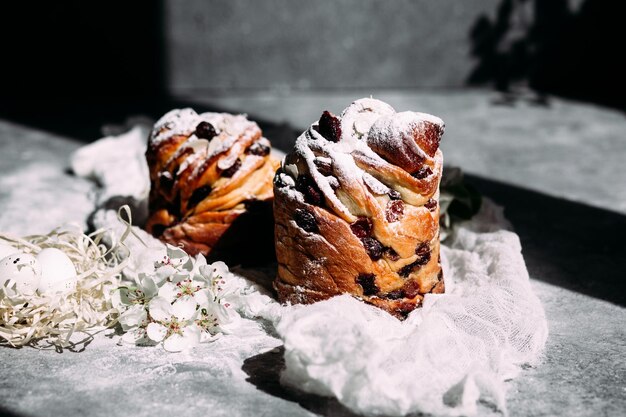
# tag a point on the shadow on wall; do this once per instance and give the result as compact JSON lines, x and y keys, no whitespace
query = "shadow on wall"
{"x":76,"y":50}
{"x":553,"y":48}
{"x":72,"y":66}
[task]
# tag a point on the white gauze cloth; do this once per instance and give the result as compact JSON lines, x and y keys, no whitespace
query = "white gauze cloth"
{"x":117,"y":163}
{"x":457,"y":349}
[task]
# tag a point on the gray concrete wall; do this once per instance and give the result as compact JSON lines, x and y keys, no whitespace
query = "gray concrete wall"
{"x":301,"y":44}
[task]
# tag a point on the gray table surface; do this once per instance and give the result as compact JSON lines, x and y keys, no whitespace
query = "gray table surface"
{"x":565,"y":161}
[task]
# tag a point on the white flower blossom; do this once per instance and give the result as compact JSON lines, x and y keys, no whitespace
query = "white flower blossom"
{"x":183,"y":302}
{"x":134,"y":316}
{"x":173,"y":323}
{"x":174,"y":266}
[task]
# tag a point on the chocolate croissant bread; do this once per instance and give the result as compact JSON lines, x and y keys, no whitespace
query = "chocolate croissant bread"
{"x":356,"y":209}
{"x":211,"y":185}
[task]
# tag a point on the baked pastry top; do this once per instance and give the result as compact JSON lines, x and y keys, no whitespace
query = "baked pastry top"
{"x":211,"y":172}
{"x":356,"y":209}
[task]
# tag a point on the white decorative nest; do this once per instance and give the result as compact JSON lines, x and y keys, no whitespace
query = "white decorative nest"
{"x":50,"y":320}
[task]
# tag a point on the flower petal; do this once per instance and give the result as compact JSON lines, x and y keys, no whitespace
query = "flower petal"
{"x":156,"y":331}
{"x":184,"y":308}
{"x":133,"y":317}
{"x":175,"y":251}
{"x":202,"y":297}
{"x":220,"y":269}
{"x":168,"y":291}
{"x":231,"y":286}
{"x":179,"y":276}
{"x":119,"y":299}
{"x":192,"y":332}
{"x":199,"y":262}
{"x":189,"y":339}
{"x":228,"y":318}
{"x":160,"y":309}
{"x":174,"y":343}
{"x":214,"y":271}
{"x":179,"y":258}
{"x":164,"y":272}
{"x":207,"y":272}
{"x":149,"y":287}
{"x":136,"y":336}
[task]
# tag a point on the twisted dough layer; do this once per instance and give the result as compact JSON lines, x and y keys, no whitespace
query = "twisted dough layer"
{"x":210,"y":172}
{"x":356,"y":209}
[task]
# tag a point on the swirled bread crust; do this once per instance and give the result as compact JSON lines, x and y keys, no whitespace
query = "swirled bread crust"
{"x":211,"y":185}
{"x":356,"y":209}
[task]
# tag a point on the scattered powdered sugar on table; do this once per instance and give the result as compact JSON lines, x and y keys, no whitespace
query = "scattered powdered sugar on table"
{"x":456,"y":350}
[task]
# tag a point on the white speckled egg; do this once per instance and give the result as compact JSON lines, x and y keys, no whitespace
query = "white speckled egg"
{"x":22,"y":270}
{"x":6,"y":250}
{"x":57,"y":272}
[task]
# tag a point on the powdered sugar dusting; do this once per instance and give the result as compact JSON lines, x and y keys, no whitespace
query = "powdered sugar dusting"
{"x":190,"y":160}
{"x":357,"y":118}
{"x":373,"y":184}
{"x":183,"y":122}
{"x":174,"y":122}
{"x":308,"y":152}
{"x":364,"y":123}
{"x":392,"y":135}
{"x":229,"y":130}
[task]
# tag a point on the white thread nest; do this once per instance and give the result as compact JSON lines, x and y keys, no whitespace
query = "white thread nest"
{"x":38,"y":320}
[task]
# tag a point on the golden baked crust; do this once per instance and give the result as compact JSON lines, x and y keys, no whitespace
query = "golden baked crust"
{"x":211,"y":185}
{"x":356,"y":209}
